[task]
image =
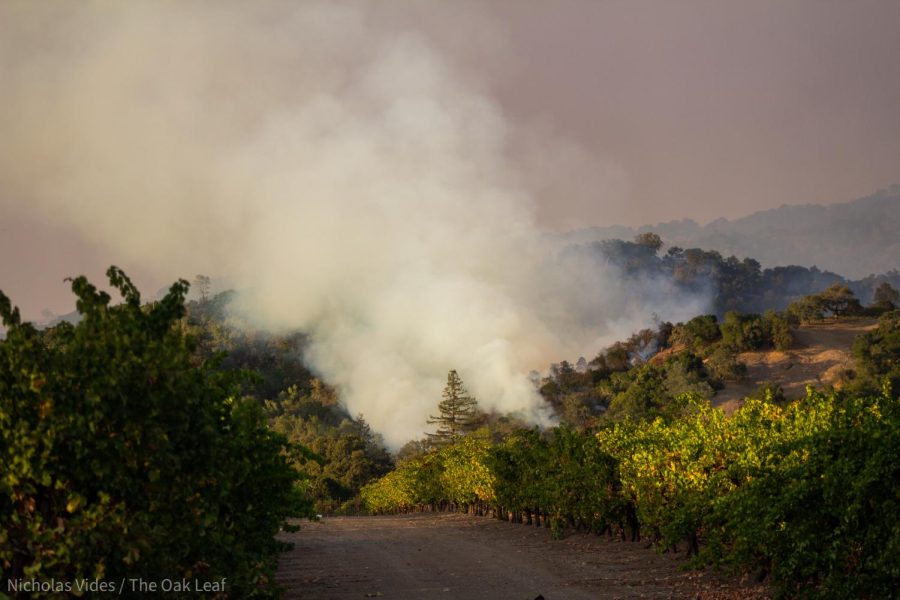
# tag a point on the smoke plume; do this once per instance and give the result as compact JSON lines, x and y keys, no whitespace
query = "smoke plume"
{"x":341,"y":166}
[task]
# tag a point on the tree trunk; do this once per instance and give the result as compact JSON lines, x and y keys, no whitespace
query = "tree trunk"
{"x":693,"y":544}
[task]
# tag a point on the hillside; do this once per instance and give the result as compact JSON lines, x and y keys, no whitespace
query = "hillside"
{"x":854,"y":238}
{"x":820,"y":355}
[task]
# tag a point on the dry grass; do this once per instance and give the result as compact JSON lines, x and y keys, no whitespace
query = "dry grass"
{"x":821,"y":356}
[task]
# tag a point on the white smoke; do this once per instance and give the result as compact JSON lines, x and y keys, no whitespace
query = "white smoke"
{"x":349,"y":173}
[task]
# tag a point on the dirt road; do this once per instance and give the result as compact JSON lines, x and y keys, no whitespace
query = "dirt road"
{"x":458,"y":557}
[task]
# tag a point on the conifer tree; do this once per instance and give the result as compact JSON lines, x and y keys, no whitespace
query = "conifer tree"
{"x":458,"y":412}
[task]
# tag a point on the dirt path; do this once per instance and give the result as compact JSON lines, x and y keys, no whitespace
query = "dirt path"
{"x":458,"y":557}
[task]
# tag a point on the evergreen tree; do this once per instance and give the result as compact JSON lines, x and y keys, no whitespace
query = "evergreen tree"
{"x":458,"y":412}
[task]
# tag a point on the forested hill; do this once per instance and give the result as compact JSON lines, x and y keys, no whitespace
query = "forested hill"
{"x":728,"y":282}
{"x":854,"y":239}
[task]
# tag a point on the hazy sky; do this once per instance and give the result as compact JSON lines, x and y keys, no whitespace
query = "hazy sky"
{"x":657,"y":111}
{"x":715,"y":109}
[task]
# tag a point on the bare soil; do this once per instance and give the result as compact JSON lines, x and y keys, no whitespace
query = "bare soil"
{"x":446,"y":556}
{"x":821,"y":356}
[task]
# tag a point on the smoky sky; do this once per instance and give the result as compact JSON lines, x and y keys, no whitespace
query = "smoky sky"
{"x":381,"y":174}
{"x":669,"y":110}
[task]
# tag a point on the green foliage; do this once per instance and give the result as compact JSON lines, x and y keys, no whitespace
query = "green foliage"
{"x":465,"y":478}
{"x":346,"y":454}
{"x":633,"y":258}
{"x":411,"y":450}
{"x":806,"y":309}
{"x":819,"y":504}
{"x":123,"y":457}
{"x":686,"y":374}
{"x":644,"y":391}
{"x":698,"y":333}
{"x":731,"y":283}
{"x":840,"y":301}
{"x":580,"y":394}
{"x":777,"y":329}
{"x":665,"y":469}
{"x":644,"y":394}
{"x":748,"y":332}
{"x":649,"y":240}
{"x":742,"y":332}
{"x":616,"y":358}
{"x":877,"y":354}
{"x":565,"y":478}
{"x":768,"y":392}
{"x":574,"y":410}
{"x":519,"y":465}
{"x":580,"y":484}
{"x":723,"y":364}
{"x":396,"y":491}
{"x":456,"y":473}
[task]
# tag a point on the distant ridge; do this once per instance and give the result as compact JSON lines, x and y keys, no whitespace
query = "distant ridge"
{"x":855,"y":239}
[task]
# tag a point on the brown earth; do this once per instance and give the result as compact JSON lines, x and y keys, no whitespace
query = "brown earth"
{"x":428,"y":556}
{"x":820,"y":356}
